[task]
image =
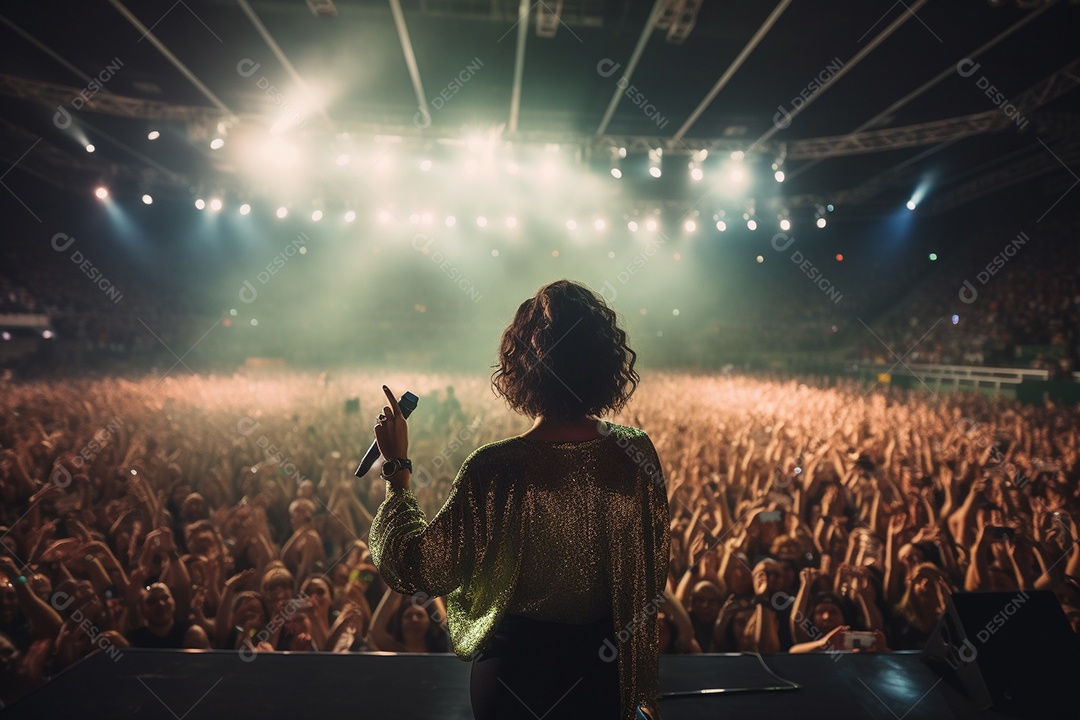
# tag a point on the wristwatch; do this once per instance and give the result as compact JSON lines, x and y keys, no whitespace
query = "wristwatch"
{"x":392,"y":465}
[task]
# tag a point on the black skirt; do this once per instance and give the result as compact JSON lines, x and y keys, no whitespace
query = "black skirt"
{"x":555,"y":671}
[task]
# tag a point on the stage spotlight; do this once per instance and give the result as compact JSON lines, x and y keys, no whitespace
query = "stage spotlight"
{"x":830,"y":207}
{"x":911,"y":205}
{"x":571,"y":224}
{"x":200,"y":204}
{"x":384,"y":217}
{"x":779,"y":175}
{"x":738,"y":155}
{"x":481,"y":221}
{"x":217,"y":143}
{"x":821,"y":222}
{"x":617,"y":155}
{"x":690,"y":226}
{"x":721,"y":225}
{"x":599,"y":224}
{"x":316,"y":216}
{"x":785,"y":224}
{"x":425,"y":164}
{"x":215,"y":204}
{"x":101,"y":192}
{"x":697,"y":171}
{"x":350,"y":216}
{"x":90,"y":148}
{"x":342,"y":160}
{"x":153,"y":135}
{"x":511,"y":222}
{"x":47,"y":334}
{"x":651,"y":225}
{"x":751,"y":224}
{"x":282,"y":212}
{"x":451,"y":221}
{"x":933,"y":257}
{"x":632,"y":226}
{"x":655,"y":157}
{"x":147,"y":199}
{"x":245,"y":209}
{"x":839,"y":257}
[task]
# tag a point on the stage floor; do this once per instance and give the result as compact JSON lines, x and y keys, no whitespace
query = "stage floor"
{"x":196,"y":685}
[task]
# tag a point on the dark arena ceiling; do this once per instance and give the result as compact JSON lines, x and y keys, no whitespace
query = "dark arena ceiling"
{"x":976,"y":93}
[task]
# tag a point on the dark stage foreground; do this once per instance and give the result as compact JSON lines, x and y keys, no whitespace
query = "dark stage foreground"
{"x":218,"y":684}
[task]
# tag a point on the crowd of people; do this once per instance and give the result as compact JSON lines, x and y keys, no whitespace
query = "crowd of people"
{"x":1010,"y":295}
{"x":222,"y":511}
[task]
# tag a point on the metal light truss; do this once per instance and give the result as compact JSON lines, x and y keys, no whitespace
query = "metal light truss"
{"x":547,"y":18}
{"x":678,"y":17}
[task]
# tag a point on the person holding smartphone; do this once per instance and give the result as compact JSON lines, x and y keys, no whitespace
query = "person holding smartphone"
{"x":552,"y":547}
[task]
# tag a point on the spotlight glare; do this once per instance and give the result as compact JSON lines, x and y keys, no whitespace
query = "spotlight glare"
{"x":217,"y":143}
{"x":342,"y":160}
{"x":933,"y":257}
{"x":632,"y":226}
{"x":153,"y":135}
{"x":451,"y":221}
{"x":779,"y":175}
{"x":821,"y":222}
{"x":785,"y":224}
{"x":616,"y":173}
{"x":696,"y":173}
{"x":751,"y":224}
{"x":481,"y":221}
{"x":690,"y":226}
{"x":350,"y":216}
{"x":200,"y":204}
{"x":655,"y":171}
{"x":599,"y":224}
{"x":282,"y":212}
{"x":910,"y":204}
{"x":571,"y":224}
{"x":511,"y":222}
{"x":721,"y":225}
{"x":215,"y":204}
{"x":245,"y":209}
{"x":425,"y":164}
{"x":101,"y":192}
{"x":147,"y":199}
{"x":90,"y":148}
{"x":316,"y":216}
{"x":651,"y":225}
{"x":737,"y":175}
{"x":738,"y":155}
{"x":384,"y":217}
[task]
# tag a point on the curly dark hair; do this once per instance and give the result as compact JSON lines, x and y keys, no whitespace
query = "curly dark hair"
{"x":564,"y":356}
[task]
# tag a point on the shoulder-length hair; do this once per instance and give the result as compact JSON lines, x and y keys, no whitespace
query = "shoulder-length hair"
{"x":564,"y":356}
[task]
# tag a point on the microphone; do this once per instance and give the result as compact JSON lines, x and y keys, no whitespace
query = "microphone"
{"x":408,"y":404}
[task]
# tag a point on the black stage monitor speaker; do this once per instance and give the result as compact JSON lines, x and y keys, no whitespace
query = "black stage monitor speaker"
{"x":1012,"y":651}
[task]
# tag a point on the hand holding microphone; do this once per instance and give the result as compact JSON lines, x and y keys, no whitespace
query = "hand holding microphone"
{"x":391,"y":431}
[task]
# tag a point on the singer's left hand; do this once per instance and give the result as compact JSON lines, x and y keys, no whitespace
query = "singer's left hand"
{"x":392,"y":431}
